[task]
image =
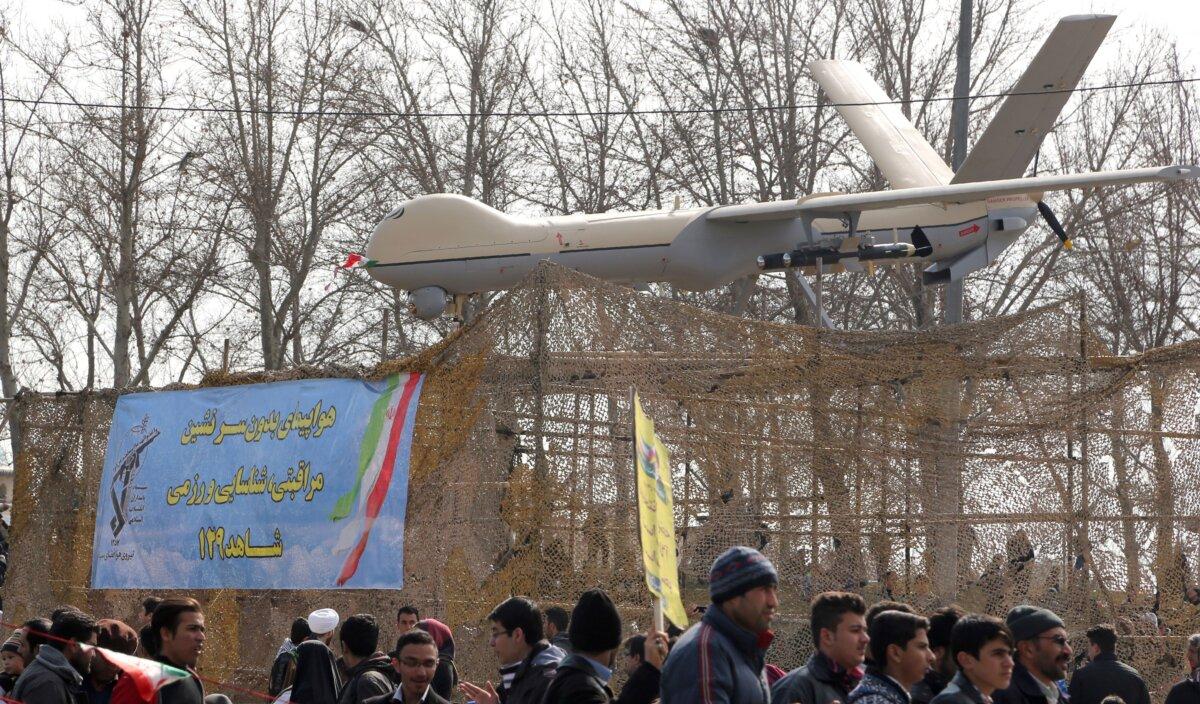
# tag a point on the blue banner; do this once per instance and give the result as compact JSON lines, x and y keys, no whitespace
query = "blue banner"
{"x":290,"y":485}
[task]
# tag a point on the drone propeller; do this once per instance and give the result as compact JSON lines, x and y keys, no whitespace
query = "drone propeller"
{"x":1052,"y":220}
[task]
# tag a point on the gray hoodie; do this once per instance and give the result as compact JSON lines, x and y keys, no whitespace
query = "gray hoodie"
{"x":50,"y":679}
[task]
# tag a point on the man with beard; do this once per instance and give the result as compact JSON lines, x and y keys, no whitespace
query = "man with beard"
{"x":1188,"y":691}
{"x":1042,"y":656}
{"x":722,"y":658}
{"x":839,"y":631}
{"x":56,"y":674}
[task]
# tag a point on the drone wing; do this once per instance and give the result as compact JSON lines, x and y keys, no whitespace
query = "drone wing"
{"x":837,"y":204}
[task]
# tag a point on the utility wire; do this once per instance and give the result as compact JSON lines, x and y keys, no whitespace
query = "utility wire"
{"x":572,"y":113}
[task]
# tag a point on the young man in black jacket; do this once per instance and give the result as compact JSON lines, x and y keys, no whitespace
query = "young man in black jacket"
{"x":527,"y":661}
{"x":1105,"y":675}
{"x":982,"y":649}
{"x":178,"y":624}
{"x":595,"y":634}
{"x":368,"y":671}
{"x":1188,"y":691}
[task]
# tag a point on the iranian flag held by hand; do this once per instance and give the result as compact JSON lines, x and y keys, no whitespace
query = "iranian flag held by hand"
{"x":148,"y":676}
{"x":384,"y":447}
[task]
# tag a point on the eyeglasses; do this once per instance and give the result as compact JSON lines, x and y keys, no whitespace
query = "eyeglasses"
{"x":1060,"y":641}
{"x":497,"y":634}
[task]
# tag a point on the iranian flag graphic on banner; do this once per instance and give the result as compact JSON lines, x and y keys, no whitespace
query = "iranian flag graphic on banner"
{"x":383,"y":447}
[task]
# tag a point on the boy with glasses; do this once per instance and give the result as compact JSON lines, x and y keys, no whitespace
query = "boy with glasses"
{"x":528,"y":662}
{"x":1042,"y":656}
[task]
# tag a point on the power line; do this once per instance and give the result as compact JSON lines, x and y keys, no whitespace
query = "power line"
{"x":575,"y":113}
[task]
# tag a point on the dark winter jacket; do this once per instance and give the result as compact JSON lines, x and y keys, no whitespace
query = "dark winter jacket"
{"x":819,"y":681}
{"x":1106,"y":675}
{"x":878,"y":688}
{"x":642,"y":686}
{"x":717,"y":662}
{"x":959,"y":691}
{"x":283,"y":671}
{"x":534,"y":675}
{"x":431,"y":697}
{"x":1186,"y":692}
{"x":577,"y":682}
{"x":924,"y":691}
{"x":369,"y":678}
{"x":1023,"y":689}
{"x":189,"y":690}
{"x":49,"y":679}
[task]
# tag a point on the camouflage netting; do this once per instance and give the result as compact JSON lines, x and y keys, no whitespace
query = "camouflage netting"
{"x":991,"y":464}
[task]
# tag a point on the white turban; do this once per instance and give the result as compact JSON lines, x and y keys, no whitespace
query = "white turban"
{"x":323,"y":621}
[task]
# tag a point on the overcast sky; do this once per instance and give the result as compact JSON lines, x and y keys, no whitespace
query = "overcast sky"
{"x":1181,"y":18}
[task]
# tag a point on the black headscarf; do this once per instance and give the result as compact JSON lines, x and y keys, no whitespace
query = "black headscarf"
{"x":316,"y":674}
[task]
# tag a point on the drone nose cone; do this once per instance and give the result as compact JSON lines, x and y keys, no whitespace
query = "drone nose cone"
{"x":433,"y":223}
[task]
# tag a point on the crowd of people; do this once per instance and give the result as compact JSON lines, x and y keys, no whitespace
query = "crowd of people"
{"x":883,"y":654}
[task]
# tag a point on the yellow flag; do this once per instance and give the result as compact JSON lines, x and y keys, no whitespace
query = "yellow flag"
{"x":656,"y":514}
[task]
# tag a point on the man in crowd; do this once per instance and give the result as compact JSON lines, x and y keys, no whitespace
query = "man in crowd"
{"x":118,"y":637}
{"x":900,"y":655}
{"x":595,"y":633}
{"x":1042,"y":656}
{"x":406,"y":619}
{"x":178,"y":625}
{"x":839,"y":631}
{"x":367,"y":669}
{"x":644,"y":657}
{"x":1188,"y":691}
{"x":941,"y":623}
{"x":557,"y":622}
{"x":149,"y":604}
{"x":35,"y":630}
{"x":56,"y":674}
{"x":528,"y":662}
{"x":283,"y":670}
{"x":1105,"y":675}
{"x":323,"y":623}
{"x":416,"y":661}
{"x":722,"y":658}
{"x":981,"y":647}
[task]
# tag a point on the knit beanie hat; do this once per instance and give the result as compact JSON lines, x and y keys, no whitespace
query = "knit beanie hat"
{"x":1027,"y":622}
{"x":116,"y":636}
{"x":14,"y":642}
{"x":738,"y":570}
{"x":595,"y":624}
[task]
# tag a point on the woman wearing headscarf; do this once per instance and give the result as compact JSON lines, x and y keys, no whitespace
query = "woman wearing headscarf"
{"x":316,"y":680}
{"x":445,"y":679}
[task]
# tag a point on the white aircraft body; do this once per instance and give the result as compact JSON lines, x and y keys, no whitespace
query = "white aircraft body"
{"x":442,"y":247}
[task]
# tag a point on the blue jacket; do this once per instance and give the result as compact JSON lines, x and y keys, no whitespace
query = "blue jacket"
{"x":716,"y":662}
{"x":878,"y":688}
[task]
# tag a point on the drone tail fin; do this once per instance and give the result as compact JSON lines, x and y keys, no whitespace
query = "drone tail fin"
{"x":901,"y":152}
